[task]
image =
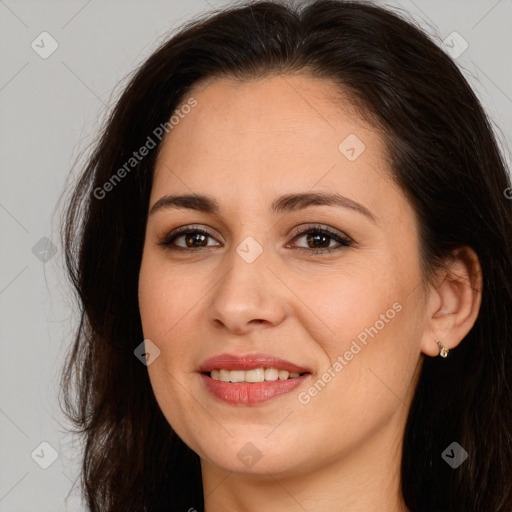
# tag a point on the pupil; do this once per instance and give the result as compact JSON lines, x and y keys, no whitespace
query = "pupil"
{"x":317,"y":237}
{"x":192,"y":237}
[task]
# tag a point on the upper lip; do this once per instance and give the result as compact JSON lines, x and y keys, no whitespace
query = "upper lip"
{"x":248,"y":362}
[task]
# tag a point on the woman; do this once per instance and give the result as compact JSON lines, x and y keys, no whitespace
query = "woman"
{"x":292,"y":250}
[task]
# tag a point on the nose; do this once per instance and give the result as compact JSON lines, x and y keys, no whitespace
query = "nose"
{"x":247,"y":295}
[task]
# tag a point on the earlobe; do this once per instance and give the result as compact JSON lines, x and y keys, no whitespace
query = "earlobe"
{"x":454,"y":303}
{"x":443,"y":351}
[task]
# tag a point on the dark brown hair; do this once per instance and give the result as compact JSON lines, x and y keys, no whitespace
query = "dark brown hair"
{"x":444,"y":157}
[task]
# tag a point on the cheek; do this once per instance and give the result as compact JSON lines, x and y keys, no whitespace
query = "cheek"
{"x":165,"y":296}
{"x":371,"y":338}
{"x":164,"y":301}
{"x":369,"y":375}
{"x":347,"y":302}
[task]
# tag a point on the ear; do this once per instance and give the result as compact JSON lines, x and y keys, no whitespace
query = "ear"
{"x":453,"y":302}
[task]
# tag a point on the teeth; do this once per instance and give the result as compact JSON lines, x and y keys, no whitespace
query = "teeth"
{"x":236,"y":376}
{"x":271,"y":374}
{"x":256,"y":375}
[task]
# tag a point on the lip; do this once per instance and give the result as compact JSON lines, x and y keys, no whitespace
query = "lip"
{"x":249,"y":362}
{"x":245,"y":393}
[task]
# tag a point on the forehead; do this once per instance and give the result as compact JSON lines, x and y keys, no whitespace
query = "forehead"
{"x":284,"y":132}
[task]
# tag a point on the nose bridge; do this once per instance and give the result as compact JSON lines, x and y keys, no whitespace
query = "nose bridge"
{"x":248,"y":290}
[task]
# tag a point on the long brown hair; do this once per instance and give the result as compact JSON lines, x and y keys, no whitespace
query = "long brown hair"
{"x":444,"y":157}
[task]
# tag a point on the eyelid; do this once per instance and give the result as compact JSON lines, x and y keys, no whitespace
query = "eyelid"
{"x":303,"y":229}
{"x":340,"y":237}
{"x":172,"y":235}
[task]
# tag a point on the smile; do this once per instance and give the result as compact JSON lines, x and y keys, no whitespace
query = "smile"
{"x":256,"y":375}
{"x":250,"y":379}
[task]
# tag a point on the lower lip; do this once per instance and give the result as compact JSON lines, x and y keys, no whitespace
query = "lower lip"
{"x":251,"y":393}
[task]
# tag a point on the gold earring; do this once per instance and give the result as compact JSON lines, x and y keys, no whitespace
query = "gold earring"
{"x":444,"y":351}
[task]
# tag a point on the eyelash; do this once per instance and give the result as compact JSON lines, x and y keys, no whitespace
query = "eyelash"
{"x":344,"y":241}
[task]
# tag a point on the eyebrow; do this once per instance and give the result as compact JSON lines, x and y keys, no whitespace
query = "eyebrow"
{"x":283,"y":204}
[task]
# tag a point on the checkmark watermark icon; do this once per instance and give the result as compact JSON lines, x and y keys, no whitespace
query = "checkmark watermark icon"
{"x":147,"y":352}
{"x":249,"y":249}
{"x":44,"y":455}
{"x":44,"y":250}
{"x":455,"y":45}
{"x":44,"y":45}
{"x":249,"y":455}
{"x":454,"y":455}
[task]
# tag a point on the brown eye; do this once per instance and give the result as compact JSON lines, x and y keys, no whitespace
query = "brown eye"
{"x":193,"y":238}
{"x":318,"y":239}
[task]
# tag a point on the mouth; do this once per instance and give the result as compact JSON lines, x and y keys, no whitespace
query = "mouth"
{"x":252,"y":376}
{"x":250,"y":379}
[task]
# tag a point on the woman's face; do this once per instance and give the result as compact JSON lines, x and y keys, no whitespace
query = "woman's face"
{"x":261,"y":286}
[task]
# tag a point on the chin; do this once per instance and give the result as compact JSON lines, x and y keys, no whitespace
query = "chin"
{"x":256,"y":455}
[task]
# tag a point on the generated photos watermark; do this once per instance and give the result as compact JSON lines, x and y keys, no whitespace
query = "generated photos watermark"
{"x":158,"y":133}
{"x":304,"y":397}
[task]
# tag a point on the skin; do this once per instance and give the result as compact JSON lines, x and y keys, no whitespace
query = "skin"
{"x":245,"y":143}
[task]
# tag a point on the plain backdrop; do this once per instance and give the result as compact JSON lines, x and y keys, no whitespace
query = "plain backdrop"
{"x":51,"y":106}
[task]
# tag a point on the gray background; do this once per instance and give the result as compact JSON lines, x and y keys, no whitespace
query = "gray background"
{"x":50,"y":111}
